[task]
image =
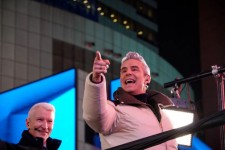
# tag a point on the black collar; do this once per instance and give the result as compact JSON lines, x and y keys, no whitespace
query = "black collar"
{"x":121,"y":96}
{"x":152,"y":99}
{"x":28,"y":140}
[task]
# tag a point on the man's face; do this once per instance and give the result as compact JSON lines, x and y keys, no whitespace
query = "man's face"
{"x":133,"y":77}
{"x":40,"y":123}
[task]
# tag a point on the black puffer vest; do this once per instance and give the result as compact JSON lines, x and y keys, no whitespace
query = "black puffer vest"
{"x":28,"y":140}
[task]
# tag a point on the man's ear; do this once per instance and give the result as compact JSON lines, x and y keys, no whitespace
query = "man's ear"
{"x":147,"y":80}
{"x":27,"y":123}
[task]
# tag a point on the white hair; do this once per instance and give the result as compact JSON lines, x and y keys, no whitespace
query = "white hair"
{"x":44,"y":105}
{"x":136,"y":56}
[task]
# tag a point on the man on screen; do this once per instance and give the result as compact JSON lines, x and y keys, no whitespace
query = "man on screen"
{"x":40,"y":122}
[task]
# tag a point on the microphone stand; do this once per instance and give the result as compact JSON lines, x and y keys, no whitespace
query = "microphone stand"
{"x":194,"y":78}
{"x":219,"y":75}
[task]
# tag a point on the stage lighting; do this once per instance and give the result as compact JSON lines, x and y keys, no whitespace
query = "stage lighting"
{"x":181,"y":117}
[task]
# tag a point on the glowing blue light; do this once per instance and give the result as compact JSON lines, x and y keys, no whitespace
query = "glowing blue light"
{"x":65,"y":121}
{"x":59,"y":90}
{"x":114,"y":86}
{"x":197,"y":144}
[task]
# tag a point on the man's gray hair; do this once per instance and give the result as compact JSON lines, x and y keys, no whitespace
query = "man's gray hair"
{"x":136,"y":56}
{"x":44,"y":105}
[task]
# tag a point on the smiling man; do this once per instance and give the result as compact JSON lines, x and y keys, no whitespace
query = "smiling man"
{"x":40,"y":122}
{"x":135,"y":113}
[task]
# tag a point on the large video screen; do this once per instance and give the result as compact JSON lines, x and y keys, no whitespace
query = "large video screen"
{"x":114,"y":84}
{"x":59,"y":90}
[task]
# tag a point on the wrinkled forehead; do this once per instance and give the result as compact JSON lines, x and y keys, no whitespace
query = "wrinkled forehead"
{"x":42,"y":112}
{"x":134,"y":62}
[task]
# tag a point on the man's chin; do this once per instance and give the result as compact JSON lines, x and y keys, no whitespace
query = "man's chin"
{"x":129,"y":90}
{"x":43,"y":136}
{"x":132,"y":91}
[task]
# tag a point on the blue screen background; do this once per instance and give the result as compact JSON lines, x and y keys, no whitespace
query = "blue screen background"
{"x":59,"y":90}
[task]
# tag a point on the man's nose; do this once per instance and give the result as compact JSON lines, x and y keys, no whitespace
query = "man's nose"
{"x":128,"y":72}
{"x":45,"y":124}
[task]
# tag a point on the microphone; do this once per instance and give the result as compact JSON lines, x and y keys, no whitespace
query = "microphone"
{"x":176,"y":90}
{"x":35,"y":129}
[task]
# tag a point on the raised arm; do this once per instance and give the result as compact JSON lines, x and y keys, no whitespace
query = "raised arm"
{"x":98,"y":112}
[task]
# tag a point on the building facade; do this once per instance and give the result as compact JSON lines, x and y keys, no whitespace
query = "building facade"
{"x":40,"y":38}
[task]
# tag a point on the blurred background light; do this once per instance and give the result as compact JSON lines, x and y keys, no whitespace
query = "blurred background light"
{"x":179,"y":118}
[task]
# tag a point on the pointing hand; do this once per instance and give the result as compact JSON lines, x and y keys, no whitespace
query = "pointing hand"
{"x":100,"y":66}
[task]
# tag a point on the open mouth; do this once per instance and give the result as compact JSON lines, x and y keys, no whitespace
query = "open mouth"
{"x":129,"y":81}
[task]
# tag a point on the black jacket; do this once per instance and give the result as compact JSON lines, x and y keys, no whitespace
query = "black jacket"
{"x":36,"y":142}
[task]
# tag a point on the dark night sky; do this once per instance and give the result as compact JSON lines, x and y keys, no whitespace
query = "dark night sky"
{"x":179,"y":37}
{"x":178,"y":34}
